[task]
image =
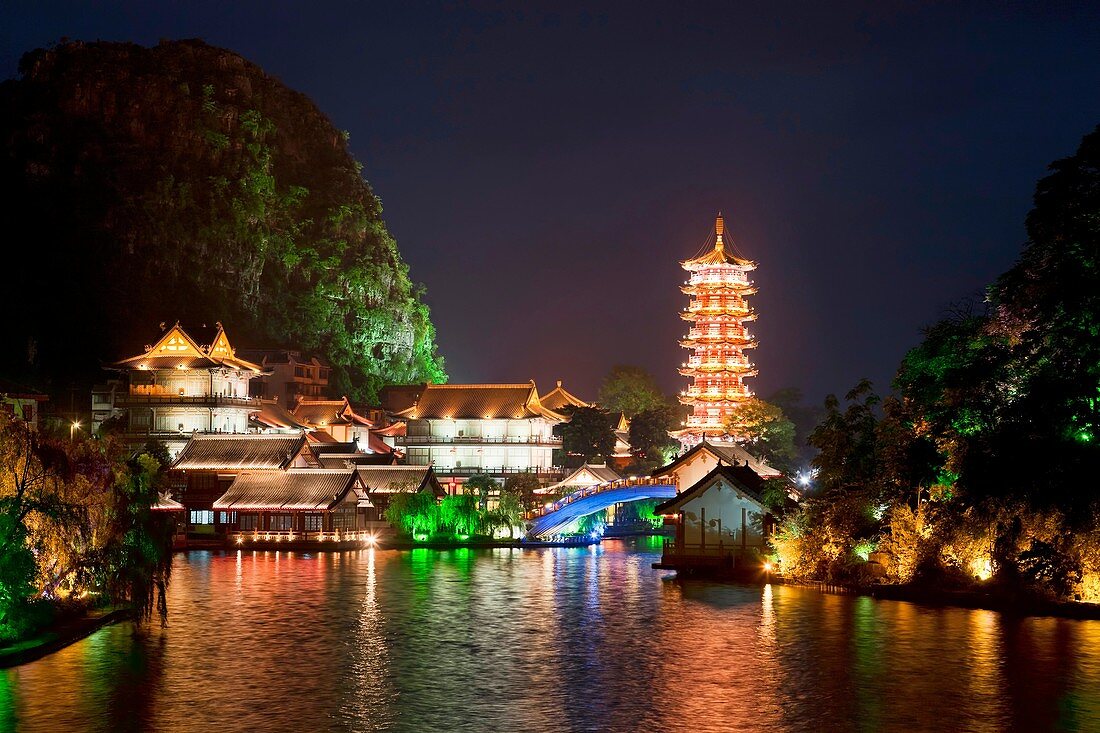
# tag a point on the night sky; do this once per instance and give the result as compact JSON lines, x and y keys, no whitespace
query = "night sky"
{"x":544,"y":171}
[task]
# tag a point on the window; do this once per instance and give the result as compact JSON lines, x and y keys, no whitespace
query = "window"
{"x":248,"y":522}
{"x":281,"y":522}
{"x":202,"y":516}
{"x":227,"y":517}
{"x":344,"y":519}
{"x":313,"y":523}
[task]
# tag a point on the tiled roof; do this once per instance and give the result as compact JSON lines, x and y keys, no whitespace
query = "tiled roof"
{"x":323,"y":448}
{"x":479,"y":401}
{"x":339,"y":460}
{"x":177,"y":348}
{"x":166,"y":503}
{"x":299,"y":489}
{"x":559,"y":397}
{"x":321,"y":412}
{"x":726,"y":453}
{"x":239,"y":452}
{"x":400,"y":397}
{"x":740,"y":477}
{"x":392,"y":479}
{"x":600,"y":473}
{"x":274,"y":415}
{"x":395,"y":429}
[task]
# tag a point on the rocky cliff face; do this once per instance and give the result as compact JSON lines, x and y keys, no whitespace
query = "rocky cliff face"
{"x":182,"y":182}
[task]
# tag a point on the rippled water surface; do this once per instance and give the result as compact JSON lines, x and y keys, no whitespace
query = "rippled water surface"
{"x":548,"y":640}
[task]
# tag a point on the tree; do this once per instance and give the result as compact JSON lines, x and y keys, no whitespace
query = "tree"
{"x":846,"y":440}
{"x":765,"y":430}
{"x":649,"y":434}
{"x":805,"y":418}
{"x":630,"y":389}
{"x":509,"y":512}
{"x":459,"y":513}
{"x":413,"y":513}
{"x":483,"y":486}
{"x":523,"y":485}
{"x":77,"y":522}
{"x":587,"y":434}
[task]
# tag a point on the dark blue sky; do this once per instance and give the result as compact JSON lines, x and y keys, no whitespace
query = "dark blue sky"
{"x":544,"y":170}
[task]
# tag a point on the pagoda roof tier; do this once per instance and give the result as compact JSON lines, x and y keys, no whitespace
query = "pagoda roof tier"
{"x":746,"y":314}
{"x":718,"y":256}
{"x":748,"y":370}
{"x":742,"y":342}
{"x":718,"y":288}
{"x":732,"y":397}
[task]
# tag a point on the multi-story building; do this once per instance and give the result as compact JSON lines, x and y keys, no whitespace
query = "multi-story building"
{"x":467,"y":429}
{"x":718,"y":339}
{"x":288,"y":376}
{"x":178,"y":387}
{"x":104,"y":396}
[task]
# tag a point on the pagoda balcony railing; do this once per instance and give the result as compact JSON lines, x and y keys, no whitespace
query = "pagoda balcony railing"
{"x":719,"y":364}
{"x":414,"y":440}
{"x":738,"y":310}
{"x":718,"y":334}
{"x":171,"y":400}
{"x":716,"y":394}
{"x":737,"y":277}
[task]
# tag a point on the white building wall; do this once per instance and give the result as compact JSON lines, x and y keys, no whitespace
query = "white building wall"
{"x":723,"y":505}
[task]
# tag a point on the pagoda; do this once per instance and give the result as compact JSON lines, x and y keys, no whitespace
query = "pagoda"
{"x":718,"y":285}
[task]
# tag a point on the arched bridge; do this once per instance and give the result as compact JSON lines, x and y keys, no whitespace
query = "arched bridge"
{"x":551,"y":520}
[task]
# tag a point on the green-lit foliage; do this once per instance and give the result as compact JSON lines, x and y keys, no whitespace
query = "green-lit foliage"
{"x":414,"y":513}
{"x":640,"y":511}
{"x":181,"y":182}
{"x":459,"y":514}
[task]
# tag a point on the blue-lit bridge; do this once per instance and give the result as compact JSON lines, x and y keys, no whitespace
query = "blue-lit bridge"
{"x":552,"y":519}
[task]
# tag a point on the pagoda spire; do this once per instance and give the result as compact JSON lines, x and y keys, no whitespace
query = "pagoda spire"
{"x":719,"y":227}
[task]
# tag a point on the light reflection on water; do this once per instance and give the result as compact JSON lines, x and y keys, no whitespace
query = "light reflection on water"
{"x":541,"y":640}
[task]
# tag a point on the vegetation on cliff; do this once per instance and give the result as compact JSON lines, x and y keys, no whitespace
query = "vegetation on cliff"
{"x":182,"y":182}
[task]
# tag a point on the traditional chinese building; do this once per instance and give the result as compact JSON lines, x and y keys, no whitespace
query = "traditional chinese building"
{"x":288,"y":375}
{"x":208,"y":465}
{"x":722,"y":523}
{"x":717,"y":338}
{"x":180,"y":386}
{"x":467,"y":429}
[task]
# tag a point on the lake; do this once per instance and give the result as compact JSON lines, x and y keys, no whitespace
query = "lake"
{"x":557,"y":639}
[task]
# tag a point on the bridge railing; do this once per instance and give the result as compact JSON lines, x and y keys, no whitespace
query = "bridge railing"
{"x":595,"y":489}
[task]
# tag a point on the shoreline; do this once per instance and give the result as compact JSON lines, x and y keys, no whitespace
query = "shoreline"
{"x":56,"y":637}
{"x":1013,"y":606}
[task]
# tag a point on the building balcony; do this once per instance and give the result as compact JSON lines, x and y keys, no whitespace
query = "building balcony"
{"x":428,"y":440}
{"x":540,"y":471}
{"x":170,"y":400}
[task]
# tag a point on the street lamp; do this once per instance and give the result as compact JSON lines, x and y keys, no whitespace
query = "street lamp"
{"x":73,"y":428}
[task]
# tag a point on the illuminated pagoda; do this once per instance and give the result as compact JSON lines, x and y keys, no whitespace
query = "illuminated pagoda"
{"x":718,"y":285}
